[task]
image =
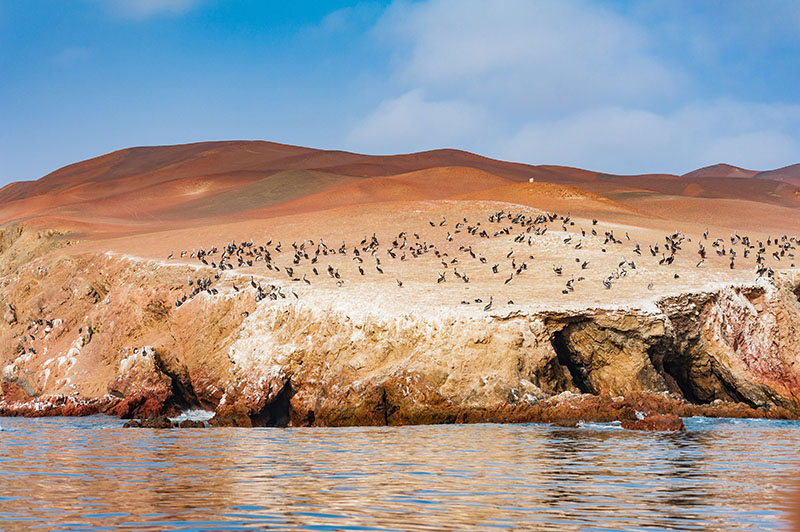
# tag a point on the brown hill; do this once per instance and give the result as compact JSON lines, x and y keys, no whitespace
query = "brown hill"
{"x":720,"y":170}
{"x":147,"y":189}
{"x":789,"y":174}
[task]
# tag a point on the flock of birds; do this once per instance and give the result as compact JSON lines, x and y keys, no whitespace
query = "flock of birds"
{"x":315,"y":261}
{"x":36,"y":330}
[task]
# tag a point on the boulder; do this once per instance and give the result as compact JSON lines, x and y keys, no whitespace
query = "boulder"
{"x":656,"y":422}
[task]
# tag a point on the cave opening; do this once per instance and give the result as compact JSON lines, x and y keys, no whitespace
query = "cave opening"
{"x":691,"y":374}
{"x":278,"y":412}
{"x":568,"y":359}
{"x":183,"y":395}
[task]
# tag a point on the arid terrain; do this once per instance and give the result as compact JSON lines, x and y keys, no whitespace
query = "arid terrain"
{"x":280,"y":285}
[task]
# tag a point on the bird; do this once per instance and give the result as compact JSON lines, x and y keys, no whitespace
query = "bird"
{"x":489,"y":304}
{"x":399,"y":283}
{"x":441,"y":278}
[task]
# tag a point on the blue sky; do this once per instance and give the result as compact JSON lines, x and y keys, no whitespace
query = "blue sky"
{"x":617,"y":86}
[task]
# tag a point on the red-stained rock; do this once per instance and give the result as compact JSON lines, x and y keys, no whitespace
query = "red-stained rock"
{"x":191,"y":424}
{"x":205,"y":389}
{"x":57,"y":405}
{"x":656,"y":422}
{"x":12,"y":393}
{"x":157,"y":422}
{"x":238,"y":420}
{"x":145,"y":389}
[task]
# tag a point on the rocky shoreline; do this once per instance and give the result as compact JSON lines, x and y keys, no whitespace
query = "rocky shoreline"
{"x":100,"y":333}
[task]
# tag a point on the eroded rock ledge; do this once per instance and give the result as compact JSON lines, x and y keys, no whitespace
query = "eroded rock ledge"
{"x":99,"y":334}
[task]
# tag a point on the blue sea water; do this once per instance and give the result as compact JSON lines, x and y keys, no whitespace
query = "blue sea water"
{"x":91,"y":474}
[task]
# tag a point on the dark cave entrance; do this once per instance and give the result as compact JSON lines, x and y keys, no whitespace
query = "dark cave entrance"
{"x":278,"y":412}
{"x":568,"y":359}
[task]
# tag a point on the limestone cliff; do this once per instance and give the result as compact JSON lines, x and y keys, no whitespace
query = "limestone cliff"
{"x":86,"y":333}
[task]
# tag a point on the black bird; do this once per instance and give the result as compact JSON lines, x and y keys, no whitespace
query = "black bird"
{"x":441,"y":278}
{"x":399,"y":283}
{"x":489,"y":304}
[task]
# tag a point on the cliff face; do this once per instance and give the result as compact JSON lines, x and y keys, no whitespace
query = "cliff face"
{"x":85,"y":333}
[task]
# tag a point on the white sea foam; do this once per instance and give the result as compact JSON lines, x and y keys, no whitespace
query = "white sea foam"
{"x":197,"y":414}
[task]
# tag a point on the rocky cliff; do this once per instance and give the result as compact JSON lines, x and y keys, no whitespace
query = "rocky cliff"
{"x":101,"y":332}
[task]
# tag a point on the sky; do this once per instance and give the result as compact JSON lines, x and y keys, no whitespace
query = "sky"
{"x":615,"y":86}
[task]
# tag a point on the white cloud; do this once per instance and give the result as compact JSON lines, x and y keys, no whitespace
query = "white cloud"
{"x":142,"y":9}
{"x":561,"y":82}
{"x":543,"y":56}
{"x":410,"y":123}
{"x":624,"y":140}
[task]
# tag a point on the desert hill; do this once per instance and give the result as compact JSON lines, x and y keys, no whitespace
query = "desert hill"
{"x":720,"y":170}
{"x":790,"y":174}
{"x":144,"y":189}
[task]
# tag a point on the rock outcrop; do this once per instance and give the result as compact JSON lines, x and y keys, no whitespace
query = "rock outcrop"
{"x":100,"y":333}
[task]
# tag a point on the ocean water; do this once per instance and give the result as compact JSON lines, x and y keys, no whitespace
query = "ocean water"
{"x":90,"y":474}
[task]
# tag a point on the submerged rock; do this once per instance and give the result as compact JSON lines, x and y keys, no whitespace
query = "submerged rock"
{"x":656,"y":422}
{"x":191,"y":424}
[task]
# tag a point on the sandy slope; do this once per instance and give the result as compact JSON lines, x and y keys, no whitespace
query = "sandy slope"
{"x":151,"y":202}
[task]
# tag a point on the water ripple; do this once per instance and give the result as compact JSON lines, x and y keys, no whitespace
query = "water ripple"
{"x":90,"y":474}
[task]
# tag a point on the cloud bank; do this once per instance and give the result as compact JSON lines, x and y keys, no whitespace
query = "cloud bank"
{"x":561,"y":82}
{"x":144,"y":9}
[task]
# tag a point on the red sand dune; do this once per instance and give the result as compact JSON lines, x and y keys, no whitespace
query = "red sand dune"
{"x":720,"y":170}
{"x":553,"y":197}
{"x":790,"y":174}
{"x":175,"y":187}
